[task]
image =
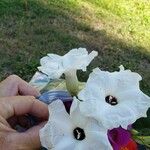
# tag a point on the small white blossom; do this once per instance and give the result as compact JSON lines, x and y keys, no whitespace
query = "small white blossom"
{"x":72,"y":132}
{"x":114,"y":98}
{"x":76,"y":59}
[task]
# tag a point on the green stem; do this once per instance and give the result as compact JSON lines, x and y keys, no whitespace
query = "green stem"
{"x":72,"y":82}
{"x":134,"y":132}
{"x":144,"y":140}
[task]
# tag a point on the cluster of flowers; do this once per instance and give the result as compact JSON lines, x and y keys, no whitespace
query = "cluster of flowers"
{"x":104,"y":108}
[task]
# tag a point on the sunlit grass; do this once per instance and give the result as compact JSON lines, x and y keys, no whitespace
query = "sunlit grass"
{"x":129,"y":20}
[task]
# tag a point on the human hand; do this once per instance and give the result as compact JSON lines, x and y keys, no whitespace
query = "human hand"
{"x":10,"y":139}
{"x":14,"y":85}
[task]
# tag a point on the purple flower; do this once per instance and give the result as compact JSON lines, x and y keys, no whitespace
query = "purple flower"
{"x":119,"y":137}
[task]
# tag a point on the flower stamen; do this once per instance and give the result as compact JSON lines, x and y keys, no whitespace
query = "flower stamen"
{"x":111,"y":100}
{"x":79,"y":134}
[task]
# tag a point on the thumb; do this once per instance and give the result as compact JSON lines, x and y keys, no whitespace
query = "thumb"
{"x":28,"y":140}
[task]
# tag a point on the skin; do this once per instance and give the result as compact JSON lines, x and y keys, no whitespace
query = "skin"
{"x":15,"y":105}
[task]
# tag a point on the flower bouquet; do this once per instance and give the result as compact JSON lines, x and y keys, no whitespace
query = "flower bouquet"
{"x":96,"y":115}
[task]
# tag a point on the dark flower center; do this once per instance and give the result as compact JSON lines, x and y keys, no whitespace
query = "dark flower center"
{"x":79,"y":134}
{"x":111,"y":100}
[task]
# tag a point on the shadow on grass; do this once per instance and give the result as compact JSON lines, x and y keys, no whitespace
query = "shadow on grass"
{"x":28,"y":31}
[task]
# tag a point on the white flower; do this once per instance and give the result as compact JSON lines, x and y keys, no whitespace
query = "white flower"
{"x":76,"y":59}
{"x":72,"y":132}
{"x":114,"y":99}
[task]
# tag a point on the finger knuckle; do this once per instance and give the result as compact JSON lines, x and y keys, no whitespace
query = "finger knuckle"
{"x":13,"y":77}
{"x":11,"y":144}
{"x":32,"y":98}
{"x":2,"y":139}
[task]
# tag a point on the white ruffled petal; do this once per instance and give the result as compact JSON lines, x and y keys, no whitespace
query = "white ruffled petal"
{"x":131,"y":106}
{"x":110,"y":116}
{"x":66,"y":143}
{"x":121,"y":67}
{"x":115,"y":81}
{"x":44,"y":60}
{"x":50,"y":58}
{"x":126,"y":79}
{"x":52,"y":72}
{"x":91,"y":108}
{"x":91,"y":92}
{"x":96,"y":136}
{"x":124,"y":87}
{"x":137,"y":101}
{"x":81,"y":146}
{"x":76,"y":116}
{"x":77,"y":59}
{"x":57,"y":127}
{"x":143,"y":105}
{"x":103,"y":80}
{"x":77,"y":52}
{"x":119,"y":116}
{"x":93,"y":126}
{"x":98,"y":140}
{"x":54,"y":57}
{"x":87,"y":146}
{"x":45,"y":136}
{"x":59,"y":115}
{"x":51,"y":66}
{"x":93,"y":101}
{"x":88,"y":60}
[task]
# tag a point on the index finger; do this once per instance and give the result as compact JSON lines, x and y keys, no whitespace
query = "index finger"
{"x":14,"y":85}
{"x":20,"y":105}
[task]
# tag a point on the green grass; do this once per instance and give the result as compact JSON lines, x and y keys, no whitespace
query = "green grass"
{"x":119,"y":30}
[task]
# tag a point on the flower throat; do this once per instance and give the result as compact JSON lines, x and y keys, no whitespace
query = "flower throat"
{"x":79,"y":134}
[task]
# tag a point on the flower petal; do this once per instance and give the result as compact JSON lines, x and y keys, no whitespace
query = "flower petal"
{"x":51,"y":66}
{"x":96,"y":137}
{"x":53,"y":71}
{"x":131,"y":103}
{"x":57,"y":127}
{"x":65,"y":143}
{"x":76,"y":116}
{"x":58,"y":115}
{"x":136,"y":100}
{"x":119,"y":137}
{"x":45,"y":136}
{"x":54,"y":65}
{"x":126,"y":79}
{"x":115,"y":81}
{"x":119,"y":116}
{"x":50,"y":58}
{"x":98,"y":140}
{"x":143,"y":105}
{"x":78,"y":59}
{"x":96,"y":134}
{"x":103,"y":80}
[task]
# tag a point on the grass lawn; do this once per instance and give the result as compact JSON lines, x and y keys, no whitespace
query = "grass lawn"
{"x":119,"y":30}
